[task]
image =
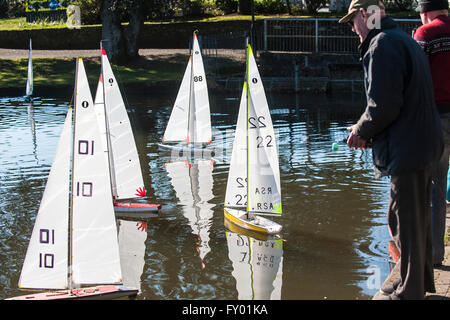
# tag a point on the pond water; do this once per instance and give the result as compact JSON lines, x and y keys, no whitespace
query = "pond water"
{"x":334,"y":239}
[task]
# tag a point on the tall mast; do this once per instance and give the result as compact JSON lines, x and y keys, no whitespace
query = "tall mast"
{"x":112,"y":174}
{"x":191,"y":95}
{"x":70,"y":259}
{"x":248,"y":112}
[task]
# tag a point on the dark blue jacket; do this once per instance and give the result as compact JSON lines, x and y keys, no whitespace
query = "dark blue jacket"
{"x":401,"y":120}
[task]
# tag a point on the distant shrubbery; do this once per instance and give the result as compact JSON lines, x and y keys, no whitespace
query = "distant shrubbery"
{"x":12,"y":8}
{"x":186,"y":9}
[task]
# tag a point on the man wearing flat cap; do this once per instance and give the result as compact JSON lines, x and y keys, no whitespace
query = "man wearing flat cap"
{"x":434,"y":37}
{"x":401,"y":124}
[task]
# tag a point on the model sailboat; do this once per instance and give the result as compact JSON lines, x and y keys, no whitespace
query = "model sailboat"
{"x":76,"y":246}
{"x":253,"y":187}
{"x":29,"y":85}
{"x":118,"y":143}
{"x":189,"y":124}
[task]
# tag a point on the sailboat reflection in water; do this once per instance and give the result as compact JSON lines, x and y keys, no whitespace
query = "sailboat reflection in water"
{"x":132,"y":236}
{"x":193,"y":182}
{"x":257,"y":265}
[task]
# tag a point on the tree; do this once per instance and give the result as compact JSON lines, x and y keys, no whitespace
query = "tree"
{"x":245,"y":6}
{"x":313,"y":5}
{"x":121,"y":43}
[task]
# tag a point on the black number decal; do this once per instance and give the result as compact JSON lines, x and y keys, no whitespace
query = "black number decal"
{"x":255,"y":124}
{"x":47,"y":236}
{"x":85,"y":104}
{"x":269,"y":142}
{"x":240,"y":198}
{"x":85,"y":189}
{"x":46,"y":260}
{"x":198,"y":78}
{"x":240,"y":181}
{"x":84,"y":147}
{"x":111,"y":81}
{"x":260,"y":141}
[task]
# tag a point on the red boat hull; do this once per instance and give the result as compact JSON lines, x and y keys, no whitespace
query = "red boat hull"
{"x":91,"y":293}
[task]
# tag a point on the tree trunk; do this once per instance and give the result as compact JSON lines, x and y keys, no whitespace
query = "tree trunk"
{"x":112,"y":38}
{"x":245,"y":6}
{"x":288,"y":5}
{"x":134,"y":28}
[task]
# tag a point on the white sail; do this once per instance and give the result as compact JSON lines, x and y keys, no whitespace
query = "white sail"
{"x":264,"y":189}
{"x":29,"y":85}
{"x":201,"y":131}
{"x":236,"y":193}
{"x":99,"y":106}
{"x":45,"y":265}
{"x":177,"y":127}
{"x":126,"y":174}
{"x":190,"y":120}
{"x":95,"y":251}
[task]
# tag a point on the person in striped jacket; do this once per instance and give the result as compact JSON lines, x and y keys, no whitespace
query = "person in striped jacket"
{"x":434,"y":37}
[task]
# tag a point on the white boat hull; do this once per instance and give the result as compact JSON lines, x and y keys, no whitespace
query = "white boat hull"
{"x":251,"y":221}
{"x":90,"y":293}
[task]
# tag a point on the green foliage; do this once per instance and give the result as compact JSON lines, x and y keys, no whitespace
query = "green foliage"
{"x":313,"y":5}
{"x":270,"y":6}
{"x":227,"y":6}
{"x":12,"y":8}
{"x":186,"y":9}
{"x":90,"y":11}
{"x":398,"y":5}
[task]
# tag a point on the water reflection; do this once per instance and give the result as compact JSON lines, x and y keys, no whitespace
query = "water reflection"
{"x":193,"y":183}
{"x":335,"y":226}
{"x":257,"y":266}
{"x":30,"y":111}
{"x":132,"y":236}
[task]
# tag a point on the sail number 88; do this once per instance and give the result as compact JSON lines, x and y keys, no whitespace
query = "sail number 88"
{"x":198,"y":78}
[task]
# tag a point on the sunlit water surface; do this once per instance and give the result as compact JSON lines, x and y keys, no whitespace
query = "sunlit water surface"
{"x":334,"y":241}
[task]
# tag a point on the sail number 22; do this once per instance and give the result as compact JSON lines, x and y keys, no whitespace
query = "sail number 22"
{"x":258,"y":123}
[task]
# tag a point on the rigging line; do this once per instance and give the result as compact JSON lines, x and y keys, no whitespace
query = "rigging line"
{"x":112,"y":173}
{"x":191,"y":95}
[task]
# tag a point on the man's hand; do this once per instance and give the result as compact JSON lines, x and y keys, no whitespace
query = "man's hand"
{"x":354,"y":141}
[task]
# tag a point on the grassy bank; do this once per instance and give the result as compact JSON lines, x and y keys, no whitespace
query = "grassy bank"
{"x":50,"y":72}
